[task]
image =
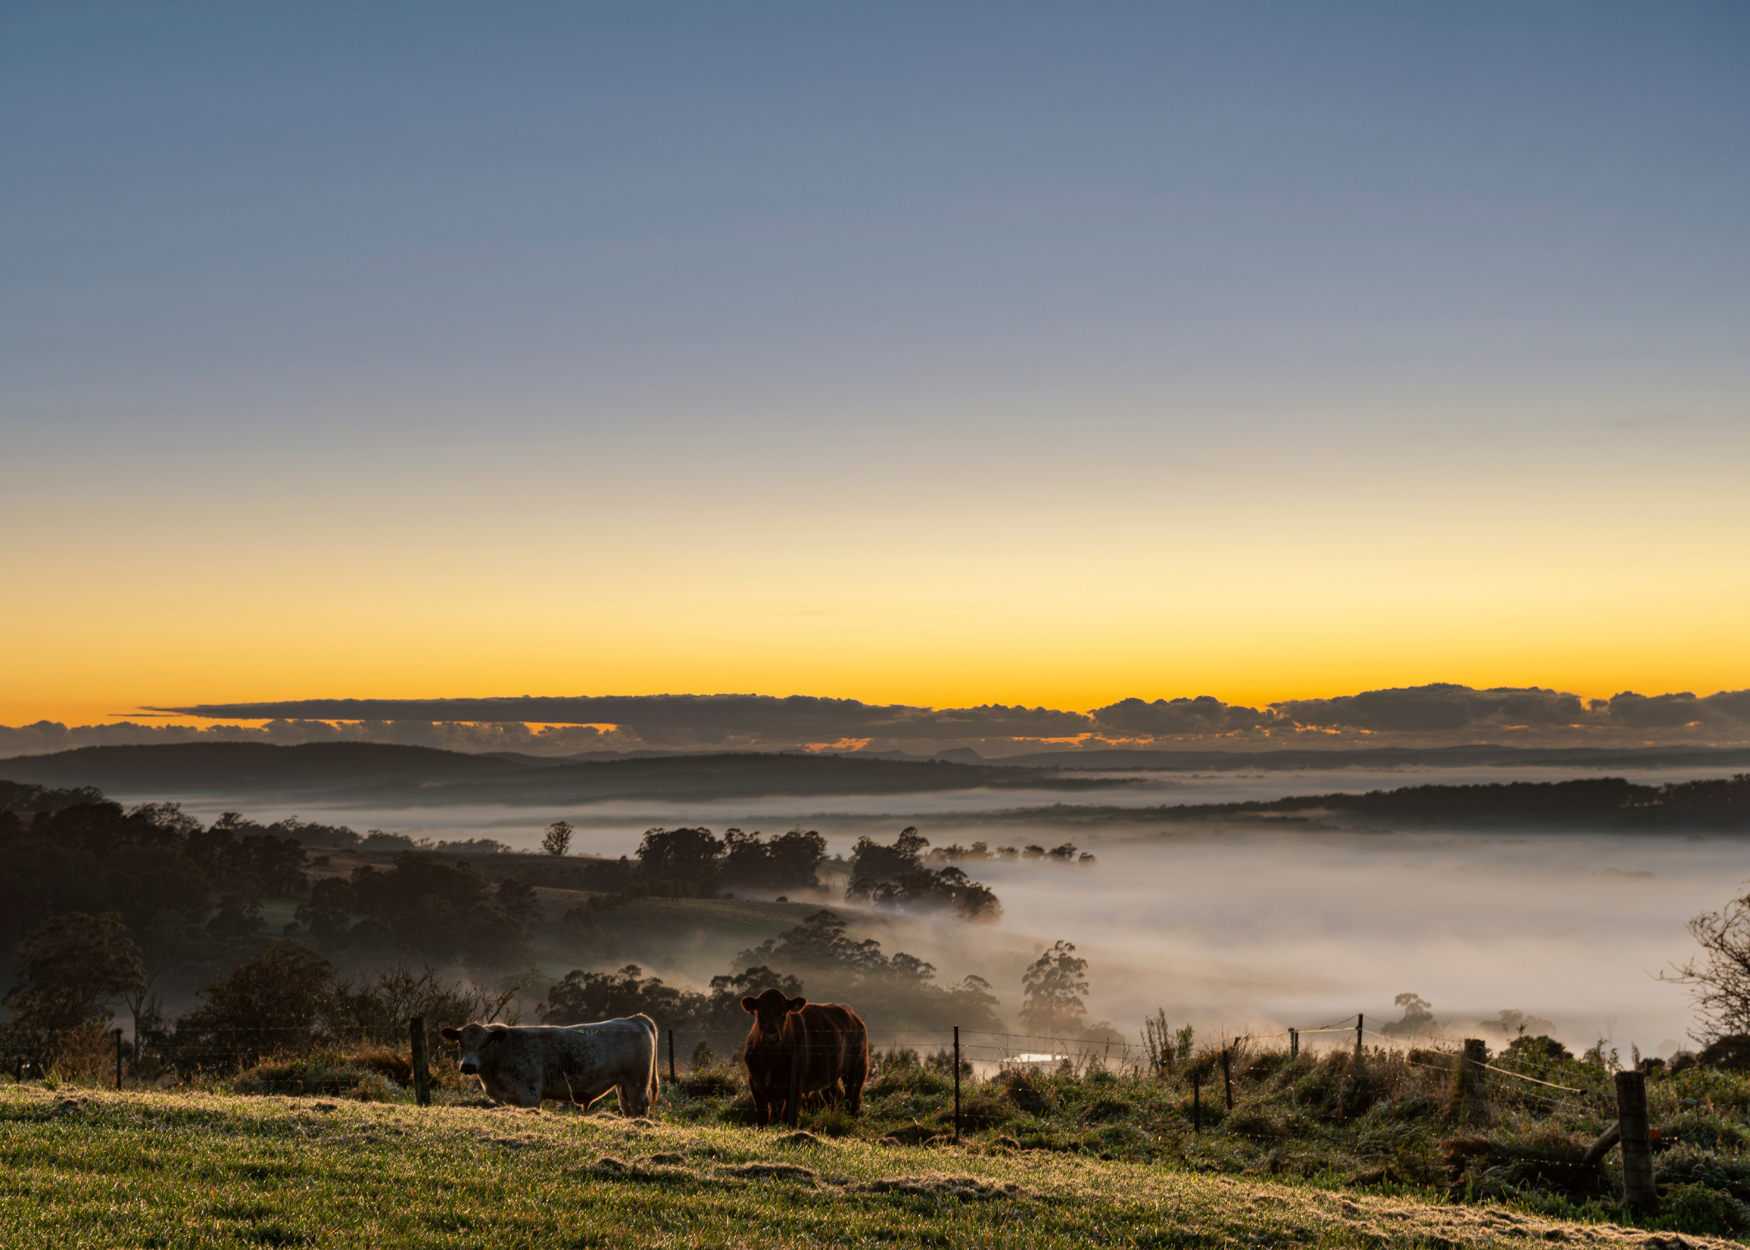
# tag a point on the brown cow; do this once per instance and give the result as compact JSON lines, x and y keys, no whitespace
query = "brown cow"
{"x":824,"y":1044}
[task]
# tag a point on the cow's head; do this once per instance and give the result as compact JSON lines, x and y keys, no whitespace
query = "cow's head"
{"x":769,"y":1011}
{"x":474,"y":1040}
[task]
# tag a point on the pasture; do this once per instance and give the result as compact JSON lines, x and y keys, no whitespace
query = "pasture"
{"x":196,"y":1169}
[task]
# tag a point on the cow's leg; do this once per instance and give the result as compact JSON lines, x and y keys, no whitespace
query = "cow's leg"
{"x":856,"y":1072}
{"x":634,"y":1101}
{"x":761,"y":1110}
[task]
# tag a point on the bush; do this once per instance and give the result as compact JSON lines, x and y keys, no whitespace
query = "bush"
{"x":372,"y":1074}
{"x":1699,"y":1209}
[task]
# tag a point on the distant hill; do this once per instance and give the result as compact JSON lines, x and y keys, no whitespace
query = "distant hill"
{"x":1476,"y":755}
{"x":1598,"y":803}
{"x":396,"y":774}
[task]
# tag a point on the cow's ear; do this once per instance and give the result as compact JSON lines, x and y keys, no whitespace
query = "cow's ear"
{"x":497,"y":1033}
{"x":750,"y":1004}
{"x":450,"y":1035}
{"x":796,"y":1004}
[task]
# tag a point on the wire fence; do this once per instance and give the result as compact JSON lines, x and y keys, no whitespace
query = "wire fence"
{"x":691,"y":1051}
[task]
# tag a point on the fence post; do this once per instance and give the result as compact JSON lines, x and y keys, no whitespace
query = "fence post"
{"x":1227,"y":1077}
{"x":1637,"y":1146}
{"x":957,"y":1083}
{"x":1196,"y":1102}
{"x":1359,"y":1019}
{"x":1470,"y":1091}
{"x":793,"y":1114}
{"x":672,"y":1079}
{"x":1294,"y":1044}
{"x":118,"y":1060}
{"x":421,"y":1062}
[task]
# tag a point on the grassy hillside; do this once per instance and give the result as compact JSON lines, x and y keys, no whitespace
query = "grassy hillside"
{"x":195,"y":1169}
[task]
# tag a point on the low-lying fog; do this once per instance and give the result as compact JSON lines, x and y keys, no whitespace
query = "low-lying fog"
{"x":1253,"y":931}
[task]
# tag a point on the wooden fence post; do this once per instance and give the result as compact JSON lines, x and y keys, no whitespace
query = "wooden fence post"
{"x":1359,"y":1019}
{"x":1196,"y":1103}
{"x":1227,"y":1077}
{"x":421,"y":1061}
{"x":1293,"y":1044}
{"x":957,"y":1083}
{"x":1637,"y":1145}
{"x":1470,"y":1090}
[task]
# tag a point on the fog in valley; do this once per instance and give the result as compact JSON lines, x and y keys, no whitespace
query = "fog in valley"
{"x":1237,"y":928}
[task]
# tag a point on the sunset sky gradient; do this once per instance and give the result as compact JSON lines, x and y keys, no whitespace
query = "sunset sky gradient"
{"x":926,"y":354}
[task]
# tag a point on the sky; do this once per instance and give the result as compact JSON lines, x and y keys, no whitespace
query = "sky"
{"x":922,"y":354}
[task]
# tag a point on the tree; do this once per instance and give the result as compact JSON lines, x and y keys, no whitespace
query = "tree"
{"x":1053,"y":987}
{"x":900,"y":989}
{"x":168,"y":942}
{"x":895,"y":876}
{"x":582,"y":996}
{"x":1418,"y":1017}
{"x":686,"y":857}
{"x":518,"y":900}
{"x":273,"y":1002}
{"x":1719,"y":977}
{"x":73,"y":967}
{"x":328,"y":910}
{"x":558,"y":838}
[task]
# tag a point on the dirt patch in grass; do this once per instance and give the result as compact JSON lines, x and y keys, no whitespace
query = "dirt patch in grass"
{"x":763,"y":1169}
{"x":941,"y":1185}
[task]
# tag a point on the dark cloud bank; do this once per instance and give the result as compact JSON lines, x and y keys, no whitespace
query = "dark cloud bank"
{"x":1434,"y":715}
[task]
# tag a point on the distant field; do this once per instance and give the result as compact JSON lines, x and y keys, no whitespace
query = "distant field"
{"x":175,"y":1170}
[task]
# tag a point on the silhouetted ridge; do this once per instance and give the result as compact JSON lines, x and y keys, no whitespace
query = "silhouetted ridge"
{"x":424,"y":774}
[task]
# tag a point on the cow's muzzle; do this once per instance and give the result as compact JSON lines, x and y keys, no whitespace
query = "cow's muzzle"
{"x":469,"y":1069}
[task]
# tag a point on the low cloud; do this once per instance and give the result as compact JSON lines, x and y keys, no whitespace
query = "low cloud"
{"x":711,"y":720}
{"x":1668,"y":711}
{"x":1437,"y":708}
{"x":1135,"y":718}
{"x":1433,"y":715}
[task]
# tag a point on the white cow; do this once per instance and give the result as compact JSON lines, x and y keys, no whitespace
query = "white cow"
{"x":525,"y":1065}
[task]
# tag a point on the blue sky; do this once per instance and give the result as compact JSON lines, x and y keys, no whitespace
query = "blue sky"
{"x":989,"y":274}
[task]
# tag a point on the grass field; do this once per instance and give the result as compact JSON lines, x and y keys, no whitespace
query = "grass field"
{"x":90,"y":1168}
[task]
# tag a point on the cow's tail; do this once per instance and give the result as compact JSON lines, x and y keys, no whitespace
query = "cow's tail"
{"x":655,"y":1087}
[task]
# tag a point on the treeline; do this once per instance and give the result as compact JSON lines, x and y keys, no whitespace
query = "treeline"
{"x":93,"y":857}
{"x":695,"y":863}
{"x":1608,"y":802}
{"x":1063,"y":853}
{"x":290,"y":998}
{"x":896,"y":876}
{"x":815,"y":957}
{"x":287,"y":998}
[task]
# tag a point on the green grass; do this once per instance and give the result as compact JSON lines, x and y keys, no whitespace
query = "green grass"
{"x":89,"y":1168}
